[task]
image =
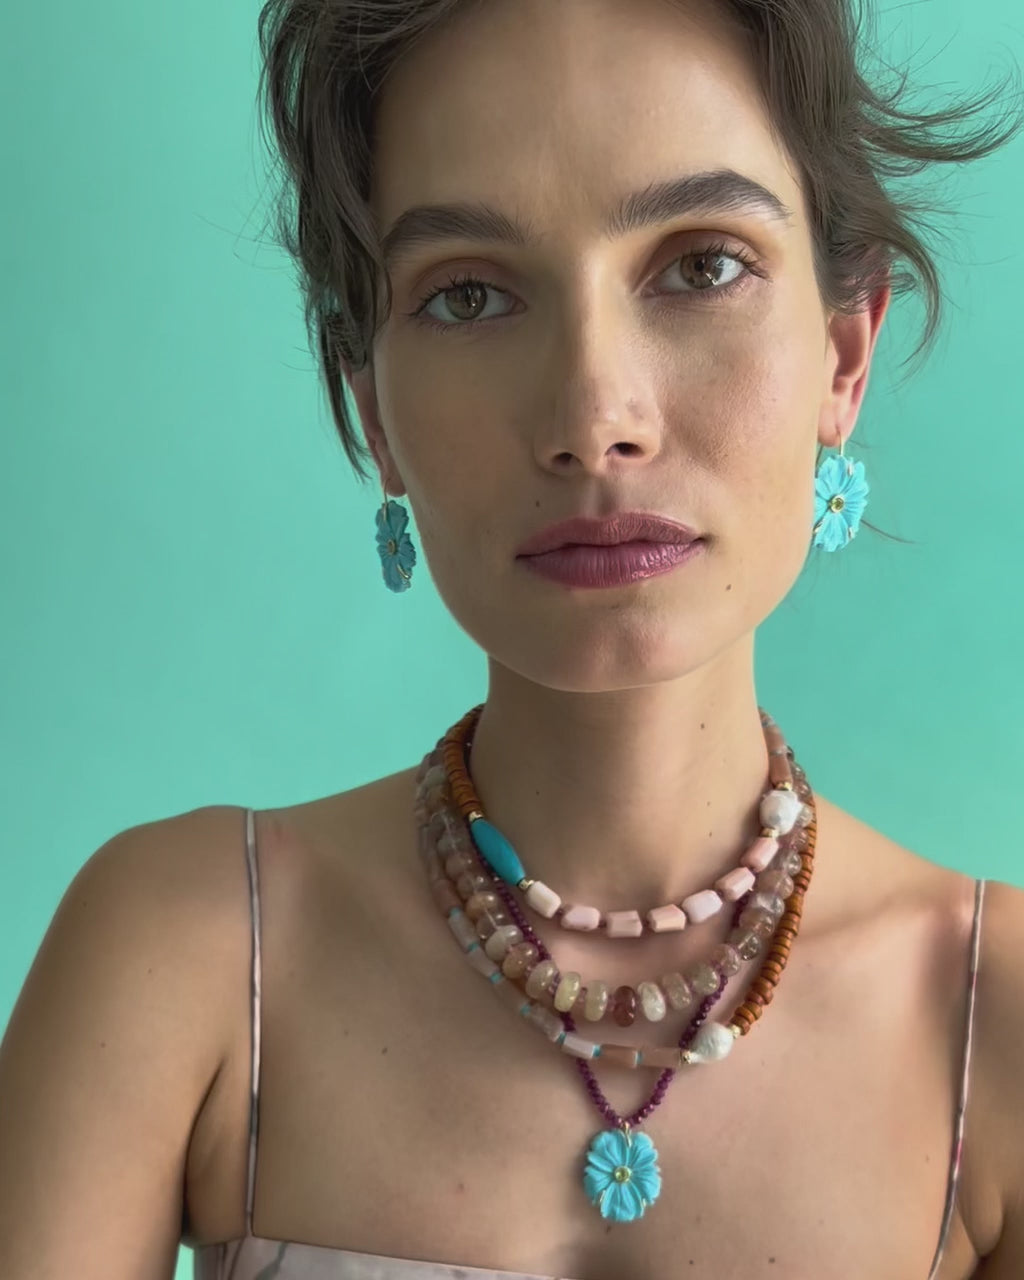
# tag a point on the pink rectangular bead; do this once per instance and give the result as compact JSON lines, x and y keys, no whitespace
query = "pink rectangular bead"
{"x":702,"y":906}
{"x":579,"y":916}
{"x":623,"y":924}
{"x":577,"y":1046}
{"x":656,"y":1056}
{"x":760,"y":853}
{"x":667,"y":919}
{"x":620,"y":1055}
{"x":734,"y":884}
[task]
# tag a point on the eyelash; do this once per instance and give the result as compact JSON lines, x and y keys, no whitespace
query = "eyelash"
{"x":710,"y":250}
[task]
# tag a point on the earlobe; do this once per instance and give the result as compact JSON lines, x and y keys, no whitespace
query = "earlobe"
{"x":851,"y":346}
{"x":364,"y":395}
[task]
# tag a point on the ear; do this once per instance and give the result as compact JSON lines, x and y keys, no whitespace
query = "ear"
{"x":364,"y":393}
{"x":850,"y":345}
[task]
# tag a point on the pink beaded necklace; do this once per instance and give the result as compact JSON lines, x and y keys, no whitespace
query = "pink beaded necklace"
{"x":621,"y":1175}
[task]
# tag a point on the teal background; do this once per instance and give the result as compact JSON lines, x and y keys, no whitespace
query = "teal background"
{"x":193,"y":611}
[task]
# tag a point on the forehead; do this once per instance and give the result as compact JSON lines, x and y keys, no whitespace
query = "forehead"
{"x":553,"y":107}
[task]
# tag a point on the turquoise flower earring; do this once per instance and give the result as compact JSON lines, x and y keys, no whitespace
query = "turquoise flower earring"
{"x":840,"y":496}
{"x":397,"y":554}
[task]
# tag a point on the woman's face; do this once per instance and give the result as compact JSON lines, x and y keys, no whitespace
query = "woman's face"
{"x":682,"y":366}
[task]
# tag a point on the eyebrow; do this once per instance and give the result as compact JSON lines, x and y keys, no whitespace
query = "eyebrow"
{"x":713,"y":191}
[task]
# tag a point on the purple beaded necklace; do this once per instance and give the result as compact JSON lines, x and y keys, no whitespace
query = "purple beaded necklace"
{"x":621,"y":1176}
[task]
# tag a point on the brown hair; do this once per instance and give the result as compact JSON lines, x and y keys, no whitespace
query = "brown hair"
{"x":324,"y":62}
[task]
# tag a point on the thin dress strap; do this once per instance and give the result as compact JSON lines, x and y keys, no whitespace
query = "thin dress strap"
{"x":958,"y":1127}
{"x":255,"y":1003}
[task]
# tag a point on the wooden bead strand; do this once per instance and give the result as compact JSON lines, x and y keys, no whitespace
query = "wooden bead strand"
{"x":760,"y":990}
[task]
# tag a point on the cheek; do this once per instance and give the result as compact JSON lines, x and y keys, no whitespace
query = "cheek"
{"x":750,"y":415}
{"x":449,"y":465}
{"x":750,"y":429}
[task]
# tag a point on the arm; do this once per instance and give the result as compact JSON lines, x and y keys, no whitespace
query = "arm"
{"x":113,"y":1043}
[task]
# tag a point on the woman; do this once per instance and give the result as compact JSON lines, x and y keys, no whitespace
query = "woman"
{"x":670,"y":307}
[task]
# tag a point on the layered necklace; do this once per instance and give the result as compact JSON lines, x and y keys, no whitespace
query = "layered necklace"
{"x":483,"y":891}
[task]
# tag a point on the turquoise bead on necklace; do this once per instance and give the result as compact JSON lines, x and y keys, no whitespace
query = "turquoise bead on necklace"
{"x":499,"y":854}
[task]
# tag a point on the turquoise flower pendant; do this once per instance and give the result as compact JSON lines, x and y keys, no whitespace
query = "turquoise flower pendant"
{"x":840,"y":496}
{"x":622,"y":1176}
{"x":397,"y":554}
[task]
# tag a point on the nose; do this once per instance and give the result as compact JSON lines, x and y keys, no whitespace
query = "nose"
{"x":604,"y":417}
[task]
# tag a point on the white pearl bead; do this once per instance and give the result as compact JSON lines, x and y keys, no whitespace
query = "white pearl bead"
{"x":780,"y":809}
{"x":712,"y":1043}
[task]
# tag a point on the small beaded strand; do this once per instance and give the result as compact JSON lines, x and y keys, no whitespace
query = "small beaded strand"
{"x":778,"y":954}
{"x":697,"y":908}
{"x":628,"y":1055}
{"x":761,"y":989}
{"x":594,"y":1090}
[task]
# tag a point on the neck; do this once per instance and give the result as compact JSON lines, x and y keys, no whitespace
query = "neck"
{"x":627,"y":799}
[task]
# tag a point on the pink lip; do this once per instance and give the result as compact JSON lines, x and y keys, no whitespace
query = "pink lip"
{"x":623,"y":526}
{"x":612,"y":566}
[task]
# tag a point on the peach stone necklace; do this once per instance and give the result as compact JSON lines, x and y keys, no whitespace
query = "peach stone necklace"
{"x":472,"y":870}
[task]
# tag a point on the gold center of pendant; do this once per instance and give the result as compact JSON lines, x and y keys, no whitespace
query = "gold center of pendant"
{"x":623,"y":1173}
{"x":837,"y":503}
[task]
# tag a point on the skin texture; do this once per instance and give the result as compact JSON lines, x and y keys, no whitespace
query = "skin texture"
{"x":601,"y":379}
{"x":403,"y":1110}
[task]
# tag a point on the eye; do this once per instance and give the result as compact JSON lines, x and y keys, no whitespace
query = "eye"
{"x":714,"y":268}
{"x":706,"y":275}
{"x":469,"y":296}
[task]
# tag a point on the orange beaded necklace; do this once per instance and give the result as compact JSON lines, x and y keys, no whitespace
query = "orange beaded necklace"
{"x":621,"y":1175}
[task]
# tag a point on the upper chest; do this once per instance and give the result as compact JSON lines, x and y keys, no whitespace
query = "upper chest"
{"x":405,"y":1110}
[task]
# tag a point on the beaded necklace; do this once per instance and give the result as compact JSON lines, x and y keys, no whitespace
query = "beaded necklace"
{"x":621,"y":1176}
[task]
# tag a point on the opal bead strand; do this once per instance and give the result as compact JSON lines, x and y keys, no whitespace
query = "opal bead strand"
{"x":519,"y":959}
{"x":452,"y":900}
{"x":556,"y":1027}
{"x":782,"y":813}
{"x":621,"y":1175}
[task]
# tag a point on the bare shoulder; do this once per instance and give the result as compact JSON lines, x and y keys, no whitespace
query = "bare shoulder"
{"x":998,"y":1082}
{"x":116,"y":1036}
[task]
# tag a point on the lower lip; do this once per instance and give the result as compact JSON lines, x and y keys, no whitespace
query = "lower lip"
{"x":612,"y":566}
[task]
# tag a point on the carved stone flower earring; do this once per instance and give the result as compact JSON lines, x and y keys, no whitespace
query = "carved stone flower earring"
{"x":397,"y":553}
{"x":840,"y":496}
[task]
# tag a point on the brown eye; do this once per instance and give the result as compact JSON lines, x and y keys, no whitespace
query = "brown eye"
{"x":466,"y":301}
{"x":708,"y":269}
{"x":464,"y":298}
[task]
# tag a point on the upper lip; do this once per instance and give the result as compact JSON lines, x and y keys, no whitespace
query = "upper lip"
{"x":623,"y":526}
